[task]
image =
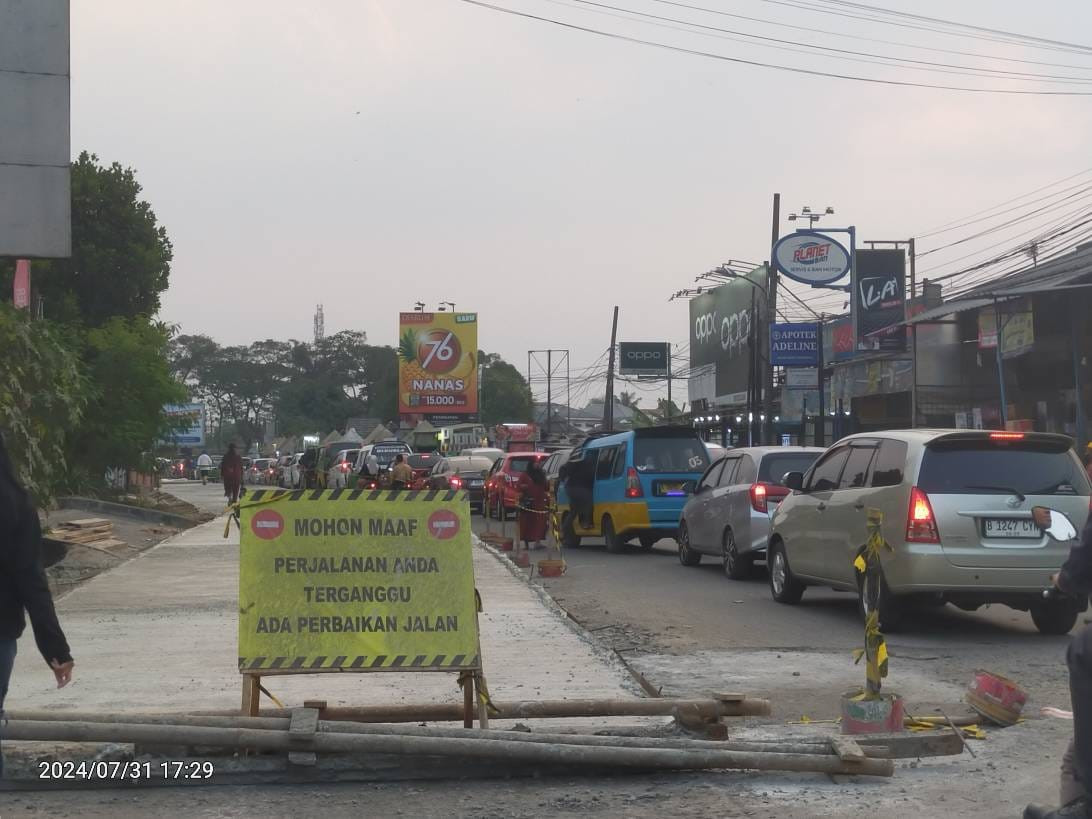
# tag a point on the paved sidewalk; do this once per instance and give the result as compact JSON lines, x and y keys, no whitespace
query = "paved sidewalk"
{"x":159,"y":634}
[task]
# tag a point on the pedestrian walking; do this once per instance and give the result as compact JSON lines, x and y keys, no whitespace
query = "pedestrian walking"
{"x":1075,"y":579}
{"x":532,"y":487}
{"x":401,"y":473}
{"x":231,"y":472}
{"x":204,"y":464}
{"x":23,"y":585}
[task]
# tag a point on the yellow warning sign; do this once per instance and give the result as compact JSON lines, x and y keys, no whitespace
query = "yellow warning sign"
{"x":356,"y":580}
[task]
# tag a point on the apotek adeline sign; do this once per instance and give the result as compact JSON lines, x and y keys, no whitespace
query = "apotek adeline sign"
{"x":794,"y":345}
{"x":644,"y":358}
{"x":811,"y":258}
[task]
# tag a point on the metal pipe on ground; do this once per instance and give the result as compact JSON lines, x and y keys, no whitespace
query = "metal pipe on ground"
{"x":500,"y":750}
{"x":709,"y":709}
{"x":818,"y":745}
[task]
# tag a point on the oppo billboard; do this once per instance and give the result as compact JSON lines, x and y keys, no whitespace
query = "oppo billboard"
{"x":644,"y":358}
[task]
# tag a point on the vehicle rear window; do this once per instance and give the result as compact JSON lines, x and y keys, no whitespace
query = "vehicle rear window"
{"x":670,"y":455}
{"x":470,"y":465}
{"x":384,"y":453}
{"x":421,"y":461}
{"x":987,"y":468}
{"x":774,"y":467}
{"x":519,"y":464}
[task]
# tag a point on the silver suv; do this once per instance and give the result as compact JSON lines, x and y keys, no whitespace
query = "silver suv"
{"x":728,"y":516}
{"x":955,"y":506}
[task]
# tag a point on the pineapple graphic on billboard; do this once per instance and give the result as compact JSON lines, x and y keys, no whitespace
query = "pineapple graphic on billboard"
{"x":438,"y":366}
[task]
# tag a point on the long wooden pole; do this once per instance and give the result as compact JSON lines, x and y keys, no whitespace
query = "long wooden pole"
{"x":818,"y":745}
{"x":545,"y":709}
{"x":875,"y":745}
{"x":503,"y":750}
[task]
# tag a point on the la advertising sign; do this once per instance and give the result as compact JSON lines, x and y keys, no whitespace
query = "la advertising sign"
{"x":810,"y":257}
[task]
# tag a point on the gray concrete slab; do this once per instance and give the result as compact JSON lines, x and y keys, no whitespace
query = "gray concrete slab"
{"x":159,"y":633}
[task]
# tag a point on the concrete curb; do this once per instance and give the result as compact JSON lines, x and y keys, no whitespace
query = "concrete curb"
{"x":134,"y":512}
{"x":605,"y":654}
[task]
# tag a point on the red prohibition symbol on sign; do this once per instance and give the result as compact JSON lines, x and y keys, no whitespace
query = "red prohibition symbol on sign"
{"x":267,"y":524}
{"x":443,"y":524}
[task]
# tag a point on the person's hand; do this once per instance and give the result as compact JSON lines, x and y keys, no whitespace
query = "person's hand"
{"x":1054,"y":580}
{"x":62,"y":671}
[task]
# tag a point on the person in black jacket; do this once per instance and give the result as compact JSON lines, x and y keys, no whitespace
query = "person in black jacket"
{"x":23,"y":584}
{"x":1075,"y":579}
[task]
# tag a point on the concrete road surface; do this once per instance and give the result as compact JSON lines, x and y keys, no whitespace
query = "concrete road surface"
{"x":207,"y":498}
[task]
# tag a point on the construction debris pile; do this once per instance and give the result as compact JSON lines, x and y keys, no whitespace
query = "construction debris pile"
{"x":94,"y":533}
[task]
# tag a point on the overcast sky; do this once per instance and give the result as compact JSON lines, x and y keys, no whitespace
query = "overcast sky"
{"x":366,"y":154}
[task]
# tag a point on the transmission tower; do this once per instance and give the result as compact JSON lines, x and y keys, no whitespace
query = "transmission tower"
{"x":320,"y":324}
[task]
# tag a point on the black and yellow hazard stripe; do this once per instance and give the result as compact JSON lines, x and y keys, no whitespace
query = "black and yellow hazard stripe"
{"x":418,"y":662}
{"x":427,"y":495}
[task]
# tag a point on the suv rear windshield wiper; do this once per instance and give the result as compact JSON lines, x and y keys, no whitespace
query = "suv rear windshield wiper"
{"x":1008,"y":489}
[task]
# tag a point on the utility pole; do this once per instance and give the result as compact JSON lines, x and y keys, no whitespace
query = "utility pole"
{"x":608,"y":405}
{"x":771,"y":313}
{"x":669,"y":382}
{"x":821,"y":424}
{"x":913,"y":328}
{"x":752,"y":381}
{"x":535,"y":365}
{"x":549,"y":389}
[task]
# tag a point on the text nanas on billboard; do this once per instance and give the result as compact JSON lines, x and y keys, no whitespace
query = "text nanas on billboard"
{"x":437,"y":365}
{"x":721,"y":326}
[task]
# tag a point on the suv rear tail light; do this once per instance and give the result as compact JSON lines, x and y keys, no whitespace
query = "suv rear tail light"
{"x":758,"y":497}
{"x":456,"y":482}
{"x":633,"y":484}
{"x":921,"y":525}
{"x":763,"y":493}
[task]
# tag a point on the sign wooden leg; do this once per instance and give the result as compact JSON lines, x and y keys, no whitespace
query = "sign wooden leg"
{"x":483,"y":709}
{"x":251,"y":694}
{"x":468,"y":699}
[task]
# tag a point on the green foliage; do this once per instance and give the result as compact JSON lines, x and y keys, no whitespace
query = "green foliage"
{"x":505,"y":394}
{"x":126,"y":360}
{"x":120,"y":255}
{"x":305,"y":387}
{"x":42,"y":394}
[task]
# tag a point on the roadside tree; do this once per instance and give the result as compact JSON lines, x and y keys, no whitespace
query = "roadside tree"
{"x":42,"y":395}
{"x":129,"y":384}
{"x":504,"y":391}
{"x":121,"y":256}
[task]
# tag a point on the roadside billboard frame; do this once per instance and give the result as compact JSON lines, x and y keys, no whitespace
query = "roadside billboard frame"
{"x":432,"y":391}
{"x":652,"y":358}
{"x":35,"y":156}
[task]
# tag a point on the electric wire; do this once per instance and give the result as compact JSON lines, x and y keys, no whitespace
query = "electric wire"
{"x":835,"y":53}
{"x":1079,"y":49}
{"x":774,"y":66}
{"x":812,"y":30}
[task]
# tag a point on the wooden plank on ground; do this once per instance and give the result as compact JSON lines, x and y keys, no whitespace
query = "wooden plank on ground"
{"x":847,"y":749}
{"x":86,"y":523}
{"x":911,"y":745}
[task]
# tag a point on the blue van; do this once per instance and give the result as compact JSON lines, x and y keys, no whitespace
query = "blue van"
{"x":629,"y":485}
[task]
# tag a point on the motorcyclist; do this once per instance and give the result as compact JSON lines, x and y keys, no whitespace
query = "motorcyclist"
{"x":1075,"y":578}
